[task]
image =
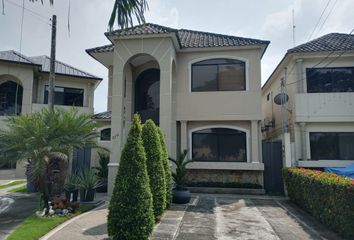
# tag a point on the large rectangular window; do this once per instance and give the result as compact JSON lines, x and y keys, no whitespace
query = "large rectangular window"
{"x":218,"y":75}
{"x":219,"y":145}
{"x":66,"y":96}
{"x":332,"y":145}
{"x":338,"y":79}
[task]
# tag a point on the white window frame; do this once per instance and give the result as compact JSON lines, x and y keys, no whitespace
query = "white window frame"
{"x":245,"y":60}
{"x":191,"y":131}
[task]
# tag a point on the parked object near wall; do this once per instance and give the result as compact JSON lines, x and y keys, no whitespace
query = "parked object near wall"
{"x":328,"y":197}
{"x":181,"y":194}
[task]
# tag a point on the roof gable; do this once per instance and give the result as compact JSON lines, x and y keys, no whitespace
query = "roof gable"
{"x":13,"y":56}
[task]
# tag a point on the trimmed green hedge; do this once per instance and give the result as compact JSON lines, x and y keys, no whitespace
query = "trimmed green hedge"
{"x":328,"y":197}
{"x":131,"y":215}
{"x":155,"y":168}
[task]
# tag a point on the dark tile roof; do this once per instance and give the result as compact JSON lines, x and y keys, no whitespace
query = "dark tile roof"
{"x":186,"y":38}
{"x":102,"y":49}
{"x":61,"y":68}
{"x":103,"y":115}
{"x":327,"y":43}
{"x":13,"y":56}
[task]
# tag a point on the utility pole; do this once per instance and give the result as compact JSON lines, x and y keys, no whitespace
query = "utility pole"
{"x":51,"y":90}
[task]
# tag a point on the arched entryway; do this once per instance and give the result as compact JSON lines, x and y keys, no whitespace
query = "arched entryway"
{"x":10,"y":98}
{"x":147,"y":95}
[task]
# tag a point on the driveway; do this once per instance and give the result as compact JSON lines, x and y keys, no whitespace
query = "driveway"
{"x":212,"y":217}
{"x":222,"y":217}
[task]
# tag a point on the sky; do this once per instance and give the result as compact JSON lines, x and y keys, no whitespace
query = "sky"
{"x":262,"y":19}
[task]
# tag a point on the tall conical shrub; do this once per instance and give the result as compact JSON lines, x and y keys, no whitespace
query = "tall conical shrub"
{"x":166,"y":166}
{"x":131,"y":210}
{"x":155,"y":167}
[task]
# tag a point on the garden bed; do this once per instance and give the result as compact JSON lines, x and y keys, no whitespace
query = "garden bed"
{"x":326,"y":196}
{"x":35,"y":227}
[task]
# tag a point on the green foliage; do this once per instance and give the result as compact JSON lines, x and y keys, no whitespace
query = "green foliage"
{"x":88,"y":180}
{"x":71,"y":183}
{"x":131,"y":211}
{"x":11,"y":184}
{"x":328,"y":197}
{"x":180,"y":175}
{"x":124,"y":10}
{"x":102,"y":170}
{"x":152,"y":146}
{"x":43,"y":136}
{"x":166,"y":166}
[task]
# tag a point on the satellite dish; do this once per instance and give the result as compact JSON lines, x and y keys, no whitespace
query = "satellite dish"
{"x":281,"y":98}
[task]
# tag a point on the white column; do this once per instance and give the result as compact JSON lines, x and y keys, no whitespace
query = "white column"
{"x":117,"y":120}
{"x":167,"y":123}
{"x":254,"y":142}
{"x":303,"y":141}
{"x":300,"y":76}
{"x":184,"y":136}
{"x":287,"y":150}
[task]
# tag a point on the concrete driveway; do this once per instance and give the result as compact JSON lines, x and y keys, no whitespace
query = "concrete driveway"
{"x":222,"y":217}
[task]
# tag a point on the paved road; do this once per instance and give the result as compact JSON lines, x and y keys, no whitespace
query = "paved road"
{"x":14,"y":208}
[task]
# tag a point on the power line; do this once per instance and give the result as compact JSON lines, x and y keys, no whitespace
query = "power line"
{"x":330,"y":12}
{"x":22,"y":17}
{"x":319,"y":20}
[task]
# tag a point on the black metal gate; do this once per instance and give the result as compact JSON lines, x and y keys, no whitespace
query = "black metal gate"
{"x":81,"y":159}
{"x":273,"y":164}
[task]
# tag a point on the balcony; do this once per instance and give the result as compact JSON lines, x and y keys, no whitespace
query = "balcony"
{"x":324,"y":107}
{"x":36,"y":107}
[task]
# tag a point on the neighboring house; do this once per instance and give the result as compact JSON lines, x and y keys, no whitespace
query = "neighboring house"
{"x":203,"y":90}
{"x":24,"y":86}
{"x":319,"y":79}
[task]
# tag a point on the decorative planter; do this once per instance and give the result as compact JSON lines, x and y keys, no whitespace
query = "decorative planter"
{"x":87,"y":195}
{"x":74,"y":193}
{"x":181,"y":196}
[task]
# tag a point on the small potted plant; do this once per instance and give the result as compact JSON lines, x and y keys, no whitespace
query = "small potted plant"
{"x":88,"y":182}
{"x":71,"y":188}
{"x":102,"y":171}
{"x":181,"y":194}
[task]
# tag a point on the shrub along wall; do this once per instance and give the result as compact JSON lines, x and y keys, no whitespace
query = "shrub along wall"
{"x":328,"y":197}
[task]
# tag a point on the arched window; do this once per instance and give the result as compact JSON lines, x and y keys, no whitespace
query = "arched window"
{"x":147,"y":95}
{"x":219,"y":74}
{"x":10,"y":98}
{"x":219,"y":145}
{"x":106,"y":134}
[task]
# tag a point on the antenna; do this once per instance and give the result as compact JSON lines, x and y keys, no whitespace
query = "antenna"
{"x":293,"y":12}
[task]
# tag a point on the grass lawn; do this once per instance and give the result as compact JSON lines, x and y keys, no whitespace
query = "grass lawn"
{"x":22,"y":189}
{"x":14,"y":183}
{"x":34,"y":227}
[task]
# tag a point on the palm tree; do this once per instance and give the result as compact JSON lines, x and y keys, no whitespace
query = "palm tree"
{"x":43,"y":136}
{"x":123,"y":11}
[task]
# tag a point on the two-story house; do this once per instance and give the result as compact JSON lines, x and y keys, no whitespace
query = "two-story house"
{"x":203,"y":90}
{"x":24,"y":87}
{"x":318,"y":79}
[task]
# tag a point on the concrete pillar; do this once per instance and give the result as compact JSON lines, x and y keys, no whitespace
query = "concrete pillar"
{"x":184,"y":136}
{"x":254,"y":142}
{"x":167,"y":123}
{"x":117,"y":120}
{"x":303,"y":141}
{"x":109,"y":95}
{"x":300,"y":76}
{"x":286,"y":150}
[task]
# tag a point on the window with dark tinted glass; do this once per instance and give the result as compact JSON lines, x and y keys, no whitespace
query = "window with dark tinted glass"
{"x":10,"y":98}
{"x":219,"y":144}
{"x":339,"y":79}
{"x":332,"y":145}
{"x":106,"y":134}
{"x":218,"y":75}
{"x":66,"y":96}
